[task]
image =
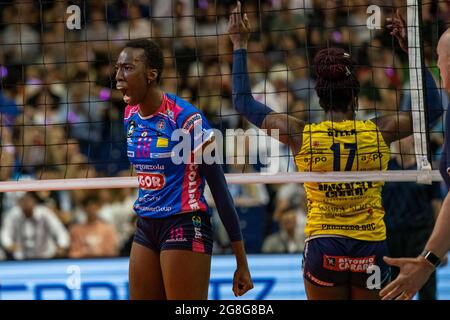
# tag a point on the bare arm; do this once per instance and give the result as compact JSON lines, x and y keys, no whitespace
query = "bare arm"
{"x":395,"y":127}
{"x":286,"y":128}
{"x":290,"y":129}
{"x":439,"y":242}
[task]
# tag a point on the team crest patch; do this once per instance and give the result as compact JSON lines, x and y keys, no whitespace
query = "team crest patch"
{"x":131,"y":128}
{"x":161,"y":125}
{"x":144,"y":134}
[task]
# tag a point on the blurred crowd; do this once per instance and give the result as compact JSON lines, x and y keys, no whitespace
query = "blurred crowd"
{"x":62,"y":118}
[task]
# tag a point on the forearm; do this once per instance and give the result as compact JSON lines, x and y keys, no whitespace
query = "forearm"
{"x":439,"y":242}
{"x":243,"y":99}
{"x":239,"y":252}
{"x":436,"y":205}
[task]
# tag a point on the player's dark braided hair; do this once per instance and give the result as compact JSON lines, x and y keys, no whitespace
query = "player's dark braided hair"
{"x":337,"y":85}
{"x":153,"y":54}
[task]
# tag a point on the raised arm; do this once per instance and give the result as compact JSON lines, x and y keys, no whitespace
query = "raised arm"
{"x":289,"y":128}
{"x":395,"y":127}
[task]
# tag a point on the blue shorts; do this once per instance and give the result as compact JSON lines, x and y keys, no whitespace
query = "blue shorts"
{"x":336,"y":261}
{"x":186,"y":231}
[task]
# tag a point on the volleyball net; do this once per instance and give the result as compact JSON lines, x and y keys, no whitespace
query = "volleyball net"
{"x":62,"y":118}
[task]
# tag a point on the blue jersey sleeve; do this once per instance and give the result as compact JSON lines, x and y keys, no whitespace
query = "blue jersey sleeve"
{"x":195,"y":124}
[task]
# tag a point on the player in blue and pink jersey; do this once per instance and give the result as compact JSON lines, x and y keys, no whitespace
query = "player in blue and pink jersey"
{"x":171,"y":253}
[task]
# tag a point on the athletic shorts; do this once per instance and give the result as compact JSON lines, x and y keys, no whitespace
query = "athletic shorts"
{"x":186,"y":231}
{"x":336,"y":261}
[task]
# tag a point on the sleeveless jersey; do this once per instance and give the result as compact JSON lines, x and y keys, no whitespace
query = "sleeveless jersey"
{"x":351,"y":209}
{"x":166,"y":187}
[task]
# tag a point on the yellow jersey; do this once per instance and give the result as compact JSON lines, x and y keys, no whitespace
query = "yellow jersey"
{"x":351,"y":209}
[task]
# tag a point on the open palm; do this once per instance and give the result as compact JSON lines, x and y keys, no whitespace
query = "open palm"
{"x":238,"y":28}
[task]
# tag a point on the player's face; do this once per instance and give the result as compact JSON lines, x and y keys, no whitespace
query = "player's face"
{"x":131,"y":75}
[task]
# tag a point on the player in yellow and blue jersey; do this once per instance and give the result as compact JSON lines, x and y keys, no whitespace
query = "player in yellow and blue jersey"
{"x":345,"y":229}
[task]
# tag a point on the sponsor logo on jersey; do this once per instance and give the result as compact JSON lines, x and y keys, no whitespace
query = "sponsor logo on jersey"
{"x":192,"y":187}
{"x":160,"y":155}
{"x":191,"y":122}
{"x":350,"y":227}
{"x":376,"y":156}
{"x":343,"y":263}
{"x":130,"y":154}
{"x":162,"y":142}
{"x":146,"y":208}
{"x":197,"y":242}
{"x":345,"y":189}
{"x":196,"y":221}
{"x":131,"y":128}
{"x":148,"y":167}
{"x":151,"y":181}
{"x":170,"y":114}
{"x":319,"y":282}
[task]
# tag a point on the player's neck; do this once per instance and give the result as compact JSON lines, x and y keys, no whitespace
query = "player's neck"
{"x":337,"y":116}
{"x":152,"y":101}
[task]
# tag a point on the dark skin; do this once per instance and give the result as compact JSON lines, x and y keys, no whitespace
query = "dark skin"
{"x":392,"y":128}
{"x":138,"y":82}
{"x":152,"y":274}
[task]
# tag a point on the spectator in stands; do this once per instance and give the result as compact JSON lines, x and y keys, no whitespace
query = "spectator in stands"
{"x":7,"y":154}
{"x":94,"y":238}
{"x":409,"y":222}
{"x":118,"y":211}
{"x":135,"y":27}
{"x":33,"y":231}
{"x":291,"y":237}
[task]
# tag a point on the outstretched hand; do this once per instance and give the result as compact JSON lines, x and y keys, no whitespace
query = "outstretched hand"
{"x":414,"y":272}
{"x":397,"y":25}
{"x":238,"y":28}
